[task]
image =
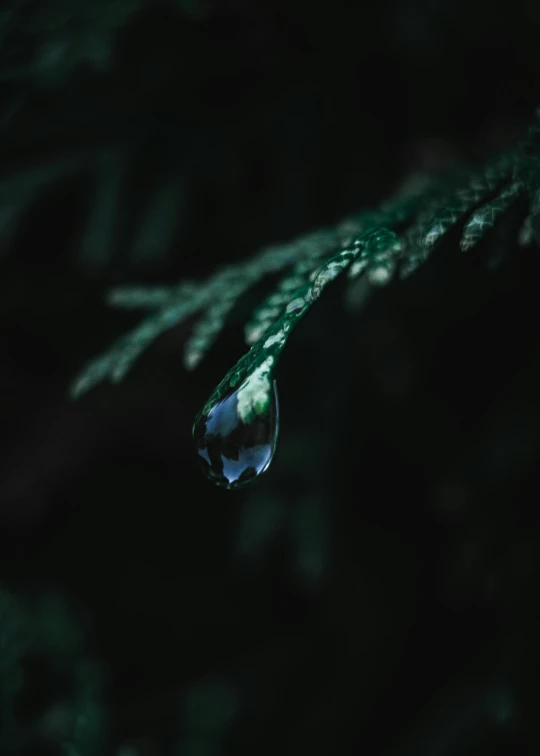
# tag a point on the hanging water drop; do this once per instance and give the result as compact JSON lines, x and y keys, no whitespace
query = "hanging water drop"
{"x":235,"y":441}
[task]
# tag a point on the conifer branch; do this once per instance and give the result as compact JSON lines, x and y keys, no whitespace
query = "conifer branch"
{"x":393,"y":239}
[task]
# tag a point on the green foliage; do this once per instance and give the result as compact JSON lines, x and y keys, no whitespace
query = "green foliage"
{"x":47,"y":43}
{"x":42,"y":652}
{"x":106,"y":168}
{"x":389,"y":241}
{"x":71,"y":113}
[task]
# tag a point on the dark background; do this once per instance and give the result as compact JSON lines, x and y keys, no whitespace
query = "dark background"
{"x":376,"y":592}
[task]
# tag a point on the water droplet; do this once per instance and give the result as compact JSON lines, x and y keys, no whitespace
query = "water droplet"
{"x":231,"y":452}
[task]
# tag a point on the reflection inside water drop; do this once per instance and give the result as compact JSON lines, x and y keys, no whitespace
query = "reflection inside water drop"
{"x":233,"y":453}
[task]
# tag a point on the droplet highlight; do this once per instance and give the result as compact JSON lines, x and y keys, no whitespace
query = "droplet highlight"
{"x":234,"y":448}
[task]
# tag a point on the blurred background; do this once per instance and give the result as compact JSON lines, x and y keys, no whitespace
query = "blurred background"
{"x":377,"y":590}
